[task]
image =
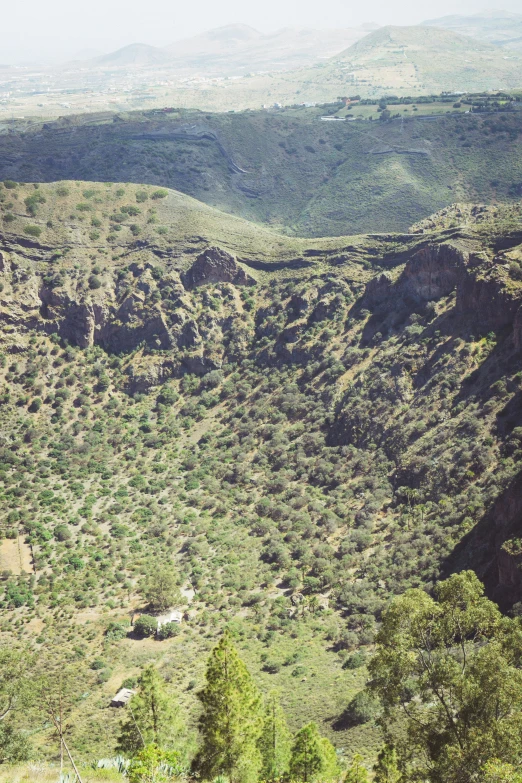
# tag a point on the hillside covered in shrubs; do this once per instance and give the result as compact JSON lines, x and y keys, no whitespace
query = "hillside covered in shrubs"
{"x":276,"y":439}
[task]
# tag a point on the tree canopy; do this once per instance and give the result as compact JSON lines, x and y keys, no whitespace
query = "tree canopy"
{"x":448,"y":668}
{"x":232,"y":721}
{"x":160,"y":589}
{"x":153,"y":716}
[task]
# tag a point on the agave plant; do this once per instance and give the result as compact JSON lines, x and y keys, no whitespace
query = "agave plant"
{"x":118,"y":762}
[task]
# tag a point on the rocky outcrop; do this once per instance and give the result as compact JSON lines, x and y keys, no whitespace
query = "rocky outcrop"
{"x":484,"y":292}
{"x":487,"y":297}
{"x":140,"y":379}
{"x":517,"y":329}
{"x":506,"y":516}
{"x":433,"y":272}
{"x":4,"y":262}
{"x":215,"y":266}
{"x":300,"y":304}
{"x":140,"y":307}
{"x":377,"y":291}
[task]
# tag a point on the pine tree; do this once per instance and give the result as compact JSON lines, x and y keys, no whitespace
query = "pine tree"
{"x":231,"y":722}
{"x":386,"y":769}
{"x":153,"y":716}
{"x":330,"y":768}
{"x":275,"y":741}
{"x":357,"y":773}
{"x":307,"y":761}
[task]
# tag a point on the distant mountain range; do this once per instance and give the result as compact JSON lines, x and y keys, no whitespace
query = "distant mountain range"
{"x":137,"y":54}
{"x":501,"y":28}
{"x":429,"y":59}
{"x":291,"y":66}
{"x":237,"y":49}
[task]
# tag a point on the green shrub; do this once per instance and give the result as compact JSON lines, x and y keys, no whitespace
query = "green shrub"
{"x":160,"y":193}
{"x":35,"y":405}
{"x":116,"y":631}
{"x":168,"y":630}
{"x":130,"y":210}
{"x":363,"y":708}
{"x":355,"y":661}
{"x":32,"y":202}
{"x":94,"y":282}
{"x":145,"y":626}
{"x":62,"y":533}
{"x":33,"y":231}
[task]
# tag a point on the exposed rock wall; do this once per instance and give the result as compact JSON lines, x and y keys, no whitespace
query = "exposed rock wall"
{"x":505,"y":520}
{"x":215,"y":266}
{"x":484,"y":292}
{"x":156,"y":310}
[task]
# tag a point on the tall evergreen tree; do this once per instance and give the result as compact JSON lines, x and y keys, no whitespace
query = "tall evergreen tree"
{"x":387,"y":769}
{"x":275,"y":741}
{"x":330,"y":768}
{"x":231,"y":722}
{"x":153,"y":716}
{"x":313,"y":756}
{"x":448,"y":673}
{"x":357,"y":773}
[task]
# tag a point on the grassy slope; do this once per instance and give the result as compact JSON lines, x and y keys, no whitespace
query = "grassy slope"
{"x":301,"y":175}
{"x":412,"y":58}
{"x":503,"y":29}
{"x":210,"y":458}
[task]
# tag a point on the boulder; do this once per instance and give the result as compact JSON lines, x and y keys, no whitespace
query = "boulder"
{"x":215,"y":266}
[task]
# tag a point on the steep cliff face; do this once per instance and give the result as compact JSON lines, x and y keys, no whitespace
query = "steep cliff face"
{"x":494,"y":547}
{"x":140,"y":305}
{"x":517,"y":329}
{"x":485,"y":293}
{"x":430,"y":273}
{"x":433,"y":272}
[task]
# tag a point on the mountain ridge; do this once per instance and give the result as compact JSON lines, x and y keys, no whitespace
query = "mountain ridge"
{"x":502,"y":28}
{"x":280,"y":158}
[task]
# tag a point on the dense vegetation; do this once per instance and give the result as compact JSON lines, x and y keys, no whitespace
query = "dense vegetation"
{"x":278,"y":453}
{"x":448,"y":673}
{"x":288,"y":169}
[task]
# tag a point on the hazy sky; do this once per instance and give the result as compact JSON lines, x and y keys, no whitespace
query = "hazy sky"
{"x":58,"y":29}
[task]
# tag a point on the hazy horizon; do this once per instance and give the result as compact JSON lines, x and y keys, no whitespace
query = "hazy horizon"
{"x":55,"y":31}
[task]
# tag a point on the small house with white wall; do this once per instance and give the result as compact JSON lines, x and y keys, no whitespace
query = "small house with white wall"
{"x":122,"y":697}
{"x":174,"y":616}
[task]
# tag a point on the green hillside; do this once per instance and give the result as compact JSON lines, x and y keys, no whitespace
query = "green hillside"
{"x":297,"y":429}
{"x":409,"y":60}
{"x":289,"y":170}
{"x":501,"y":28}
